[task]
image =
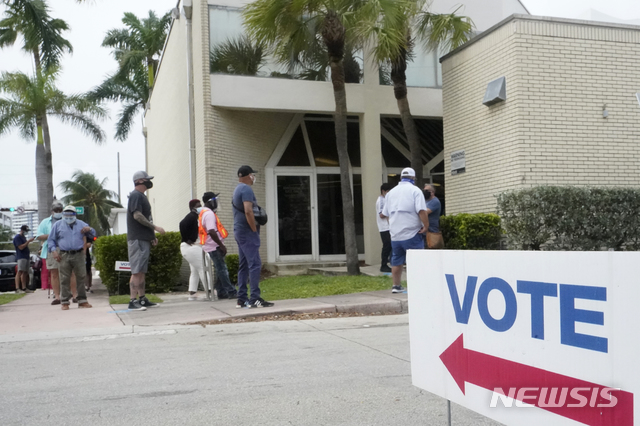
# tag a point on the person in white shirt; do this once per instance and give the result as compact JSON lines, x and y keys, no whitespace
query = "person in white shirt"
{"x":383,"y":227}
{"x":408,"y":222}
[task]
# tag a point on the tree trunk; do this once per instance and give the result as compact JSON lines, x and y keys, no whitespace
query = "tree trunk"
{"x":399,"y":78}
{"x":333,"y":34}
{"x":44,"y":164}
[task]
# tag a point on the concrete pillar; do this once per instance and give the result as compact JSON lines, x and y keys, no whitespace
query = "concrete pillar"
{"x":371,"y":158}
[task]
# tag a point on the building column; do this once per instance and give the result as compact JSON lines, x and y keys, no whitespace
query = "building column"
{"x":371,"y":159}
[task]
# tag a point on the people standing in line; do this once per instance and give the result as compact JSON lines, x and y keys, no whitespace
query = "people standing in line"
{"x":434,"y":236}
{"x":66,"y":243}
{"x":408,"y":221}
{"x":140,"y":237}
{"x":247,"y":235}
{"x":212,"y":235}
{"x":191,"y":249}
{"x":23,"y":257}
{"x":383,"y":227}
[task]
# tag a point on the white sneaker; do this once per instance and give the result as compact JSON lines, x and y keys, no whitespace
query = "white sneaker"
{"x":192,"y":298}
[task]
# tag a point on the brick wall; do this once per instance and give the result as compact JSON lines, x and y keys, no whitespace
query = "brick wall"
{"x":560,"y":74}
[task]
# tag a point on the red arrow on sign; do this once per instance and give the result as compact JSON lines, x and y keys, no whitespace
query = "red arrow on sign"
{"x":491,"y":373}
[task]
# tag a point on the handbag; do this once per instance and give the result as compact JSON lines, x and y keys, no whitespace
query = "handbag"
{"x":435,"y":240}
{"x":259,"y":214}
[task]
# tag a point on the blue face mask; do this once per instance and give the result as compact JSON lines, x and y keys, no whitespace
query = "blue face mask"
{"x":70,"y":219}
{"x":198,"y":210}
{"x":57,"y":215}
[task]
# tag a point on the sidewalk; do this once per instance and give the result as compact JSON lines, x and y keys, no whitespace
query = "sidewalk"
{"x":34,"y":313}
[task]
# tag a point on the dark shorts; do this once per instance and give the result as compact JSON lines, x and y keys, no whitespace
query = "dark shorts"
{"x":139,"y":251}
{"x":399,"y":249}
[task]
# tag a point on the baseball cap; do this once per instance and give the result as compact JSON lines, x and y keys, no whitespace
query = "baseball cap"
{"x":209,"y":195}
{"x":25,"y":228}
{"x":245,"y":171}
{"x":69,"y":209}
{"x":141,"y":175}
{"x":408,"y":172}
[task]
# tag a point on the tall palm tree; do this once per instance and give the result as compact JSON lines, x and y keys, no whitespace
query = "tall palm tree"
{"x":86,"y":190}
{"x":132,"y":89}
{"x":294,"y":26}
{"x":42,"y":38}
{"x":141,"y":42}
{"x":28,"y":99}
{"x":433,"y":31}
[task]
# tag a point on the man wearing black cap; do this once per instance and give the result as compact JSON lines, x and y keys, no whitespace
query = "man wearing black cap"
{"x":141,"y":235}
{"x":247,"y":233}
{"x":21,"y":243}
{"x":214,"y":234}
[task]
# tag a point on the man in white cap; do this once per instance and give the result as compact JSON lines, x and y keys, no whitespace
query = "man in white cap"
{"x":408,"y":221}
{"x":141,"y":235}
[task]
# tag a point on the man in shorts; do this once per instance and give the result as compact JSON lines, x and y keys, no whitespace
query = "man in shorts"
{"x":21,"y":243}
{"x":408,"y":222}
{"x":140,"y":237}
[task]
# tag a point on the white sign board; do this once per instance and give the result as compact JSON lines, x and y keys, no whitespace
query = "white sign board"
{"x":123,"y":266}
{"x":458,"y":162}
{"x":528,"y":338}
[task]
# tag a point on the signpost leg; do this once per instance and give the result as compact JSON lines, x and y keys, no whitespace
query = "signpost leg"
{"x":448,"y":412}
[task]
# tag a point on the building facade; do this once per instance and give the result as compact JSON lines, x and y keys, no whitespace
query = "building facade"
{"x":283,"y":128}
{"x":571,"y":114}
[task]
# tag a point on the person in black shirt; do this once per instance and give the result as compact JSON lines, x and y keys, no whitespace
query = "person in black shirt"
{"x":191,"y":247}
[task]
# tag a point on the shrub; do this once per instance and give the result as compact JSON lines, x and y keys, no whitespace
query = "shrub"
{"x":232,"y":262}
{"x":164,"y":262}
{"x":465,"y":231}
{"x":571,"y":218}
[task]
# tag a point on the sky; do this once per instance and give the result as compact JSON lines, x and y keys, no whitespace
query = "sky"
{"x":89,"y":65}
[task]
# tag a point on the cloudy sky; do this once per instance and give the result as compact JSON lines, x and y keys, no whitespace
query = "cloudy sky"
{"x":90,"y":63}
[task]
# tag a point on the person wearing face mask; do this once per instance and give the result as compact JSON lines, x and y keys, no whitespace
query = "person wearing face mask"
{"x":191,"y":248}
{"x":21,"y":243}
{"x":49,"y":273}
{"x":141,"y":235}
{"x":434,"y":236}
{"x":408,"y":221}
{"x":66,"y":243}
{"x":247,"y":234}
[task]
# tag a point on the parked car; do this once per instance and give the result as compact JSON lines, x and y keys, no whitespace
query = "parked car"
{"x":8,"y":268}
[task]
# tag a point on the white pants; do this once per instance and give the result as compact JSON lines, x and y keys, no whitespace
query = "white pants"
{"x":193,"y":255}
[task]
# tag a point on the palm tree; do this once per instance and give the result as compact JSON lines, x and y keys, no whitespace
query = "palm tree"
{"x":294,"y":26}
{"x":141,"y":42}
{"x":132,"y":89}
{"x":434,"y":31}
{"x":86,"y":190}
{"x":238,"y":56}
{"x":29,"y":99}
{"x":42,"y":37}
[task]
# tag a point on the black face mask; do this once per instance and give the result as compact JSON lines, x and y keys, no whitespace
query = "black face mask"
{"x":148,"y":184}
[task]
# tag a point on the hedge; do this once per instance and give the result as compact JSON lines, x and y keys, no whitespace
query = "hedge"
{"x":232,"y":262}
{"x":164,"y":263}
{"x":571,"y":218}
{"x":466,"y":231}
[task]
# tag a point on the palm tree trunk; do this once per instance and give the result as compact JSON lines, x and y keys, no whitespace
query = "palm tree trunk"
{"x":333,"y":34}
{"x":44,"y":163}
{"x":151,"y":76}
{"x":399,"y":78}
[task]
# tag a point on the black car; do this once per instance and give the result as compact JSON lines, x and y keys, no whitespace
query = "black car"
{"x":8,"y":268}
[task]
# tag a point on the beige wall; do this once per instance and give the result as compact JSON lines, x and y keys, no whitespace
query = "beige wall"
{"x":167,"y":124}
{"x":550,"y":130}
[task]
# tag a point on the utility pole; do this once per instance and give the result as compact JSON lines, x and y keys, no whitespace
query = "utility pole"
{"x":119,"y":198}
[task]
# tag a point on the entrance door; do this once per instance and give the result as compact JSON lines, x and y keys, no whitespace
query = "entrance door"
{"x":295,"y":206}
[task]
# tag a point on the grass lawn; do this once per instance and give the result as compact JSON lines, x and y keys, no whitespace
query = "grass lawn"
{"x":123,"y":299}
{"x":8,"y":298}
{"x":303,"y":286}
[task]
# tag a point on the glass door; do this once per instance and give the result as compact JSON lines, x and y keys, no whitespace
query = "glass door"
{"x":295,"y":206}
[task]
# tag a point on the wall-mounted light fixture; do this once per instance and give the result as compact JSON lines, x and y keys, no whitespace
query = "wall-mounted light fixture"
{"x":496,"y":92}
{"x":605,"y":113}
{"x":638,"y":97}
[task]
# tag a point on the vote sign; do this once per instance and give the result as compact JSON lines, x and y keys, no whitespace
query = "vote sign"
{"x":123,"y":266}
{"x":528,"y":338}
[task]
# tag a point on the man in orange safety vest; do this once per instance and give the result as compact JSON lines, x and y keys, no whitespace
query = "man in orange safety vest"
{"x":212,"y":235}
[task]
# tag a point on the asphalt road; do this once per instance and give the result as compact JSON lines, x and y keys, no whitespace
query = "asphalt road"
{"x":342,"y":371}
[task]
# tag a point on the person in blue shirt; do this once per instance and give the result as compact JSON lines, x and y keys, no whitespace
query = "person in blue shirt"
{"x":21,"y":243}
{"x":434,"y":236}
{"x":67,"y":245}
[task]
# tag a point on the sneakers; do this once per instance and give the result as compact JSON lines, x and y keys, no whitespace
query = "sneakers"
{"x":55,"y":302}
{"x":134,"y":305}
{"x":385,"y":268}
{"x":193,"y":298}
{"x":242,"y":304}
{"x":146,"y":303}
{"x":261,"y":303}
{"x":85,"y":305}
{"x":398,"y":289}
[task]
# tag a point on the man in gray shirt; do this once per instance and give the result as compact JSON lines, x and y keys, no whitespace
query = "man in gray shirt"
{"x":141,"y":235}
